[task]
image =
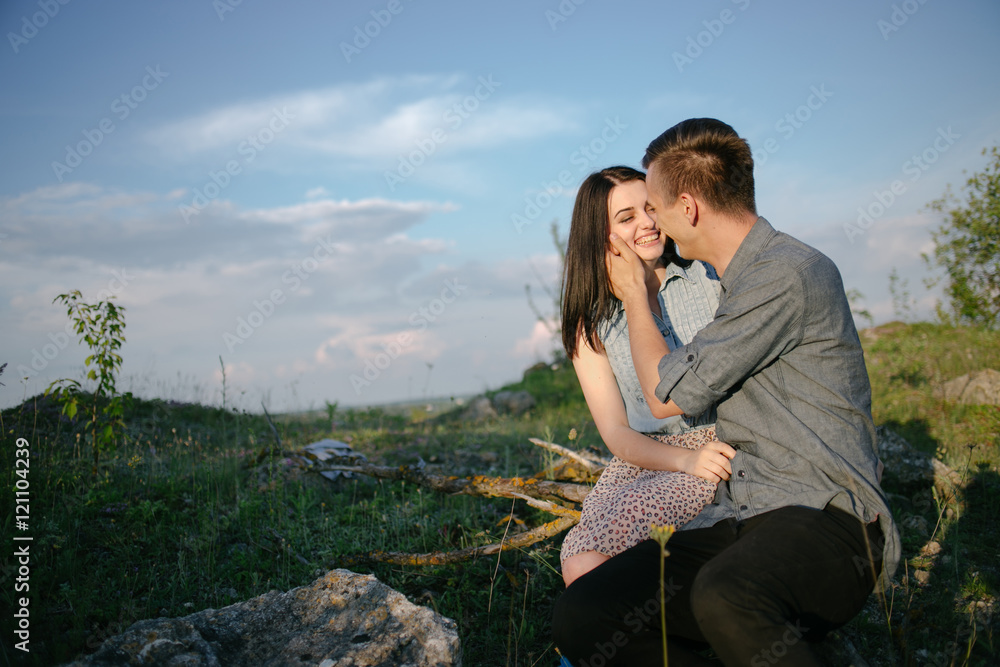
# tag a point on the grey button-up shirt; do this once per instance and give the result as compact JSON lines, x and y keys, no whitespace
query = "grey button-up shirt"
{"x":783,"y":362}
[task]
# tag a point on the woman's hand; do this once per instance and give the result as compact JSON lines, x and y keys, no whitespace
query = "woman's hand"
{"x":711,"y":462}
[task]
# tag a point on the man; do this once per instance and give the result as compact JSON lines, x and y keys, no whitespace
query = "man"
{"x":795,"y":540}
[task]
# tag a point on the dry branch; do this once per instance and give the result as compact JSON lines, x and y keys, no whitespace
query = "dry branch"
{"x":570,"y":466}
{"x":551,"y":508}
{"x":586,"y":459}
{"x":518,"y":541}
{"x":546,"y":495}
{"x":477,"y":485}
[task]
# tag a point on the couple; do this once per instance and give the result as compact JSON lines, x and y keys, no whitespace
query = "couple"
{"x":748,"y":373}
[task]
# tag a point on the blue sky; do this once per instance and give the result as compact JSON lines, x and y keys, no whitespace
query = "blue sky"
{"x":345,"y":200}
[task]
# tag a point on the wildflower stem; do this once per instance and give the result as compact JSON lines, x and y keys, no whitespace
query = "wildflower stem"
{"x":663,"y":609}
{"x":662,"y":534}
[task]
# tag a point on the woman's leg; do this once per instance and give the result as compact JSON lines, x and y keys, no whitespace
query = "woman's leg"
{"x":580,"y":564}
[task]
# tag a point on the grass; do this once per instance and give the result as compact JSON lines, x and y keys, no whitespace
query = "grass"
{"x":178,"y":519}
{"x":950,"y":618}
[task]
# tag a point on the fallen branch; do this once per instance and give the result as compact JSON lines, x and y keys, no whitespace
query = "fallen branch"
{"x":555,"y":497}
{"x":593,"y":463}
{"x":551,"y":508}
{"x":570,"y":466}
{"x":518,"y":541}
{"x":477,"y":485}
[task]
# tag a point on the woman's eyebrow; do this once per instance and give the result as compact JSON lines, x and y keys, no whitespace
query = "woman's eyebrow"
{"x":627,"y":208}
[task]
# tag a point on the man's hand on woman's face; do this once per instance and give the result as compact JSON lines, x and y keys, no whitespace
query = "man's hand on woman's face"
{"x":626,"y":270}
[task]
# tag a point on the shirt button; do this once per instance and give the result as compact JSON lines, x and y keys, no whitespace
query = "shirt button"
{"x":743,"y":507}
{"x":690,"y":358}
{"x":742,"y":473}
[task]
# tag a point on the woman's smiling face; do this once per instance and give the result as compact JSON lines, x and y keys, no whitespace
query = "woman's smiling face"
{"x":628,"y":212}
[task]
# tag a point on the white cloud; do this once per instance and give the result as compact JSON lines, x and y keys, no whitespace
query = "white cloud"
{"x":241,"y":373}
{"x":186,"y":287}
{"x":539,"y":344}
{"x":85,"y":224}
{"x":364,"y":218}
{"x":83,"y":202}
{"x":372,"y":122}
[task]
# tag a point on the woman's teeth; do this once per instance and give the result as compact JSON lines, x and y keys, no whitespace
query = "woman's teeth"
{"x":647,"y":240}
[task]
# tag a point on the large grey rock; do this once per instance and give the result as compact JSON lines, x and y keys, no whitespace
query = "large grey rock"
{"x":979,"y":388}
{"x":907,"y":467}
{"x":297,"y":465}
{"x":479,"y":409}
{"x":333,"y":451}
{"x":342,"y":619}
{"x":904,"y":465}
{"x":513,"y":402}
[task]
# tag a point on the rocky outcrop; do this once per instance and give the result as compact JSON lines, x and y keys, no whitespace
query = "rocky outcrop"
{"x":979,"y":388}
{"x":907,"y":467}
{"x":342,"y":619}
{"x":513,"y":402}
{"x":918,"y":482}
{"x":333,"y":451}
{"x":295,"y":465}
{"x":479,"y":409}
{"x":904,"y":465}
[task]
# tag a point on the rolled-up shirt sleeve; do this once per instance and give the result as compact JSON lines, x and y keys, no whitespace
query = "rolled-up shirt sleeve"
{"x":755,"y":323}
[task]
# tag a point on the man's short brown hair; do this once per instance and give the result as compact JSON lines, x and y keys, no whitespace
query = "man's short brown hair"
{"x":706,"y":158}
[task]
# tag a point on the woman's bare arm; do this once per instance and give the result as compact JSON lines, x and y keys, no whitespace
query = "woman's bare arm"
{"x":608,"y":410}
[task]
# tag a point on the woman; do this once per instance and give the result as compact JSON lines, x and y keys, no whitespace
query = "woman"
{"x":664,"y":470}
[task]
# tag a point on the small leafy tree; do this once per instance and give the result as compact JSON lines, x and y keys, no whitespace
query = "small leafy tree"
{"x":967,"y":247}
{"x":101,"y":326}
{"x":902,"y":300}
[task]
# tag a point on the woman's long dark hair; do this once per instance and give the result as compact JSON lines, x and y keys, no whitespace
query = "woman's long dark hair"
{"x":587,"y":295}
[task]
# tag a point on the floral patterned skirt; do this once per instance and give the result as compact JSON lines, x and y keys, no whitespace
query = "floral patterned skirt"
{"x":627,"y":500}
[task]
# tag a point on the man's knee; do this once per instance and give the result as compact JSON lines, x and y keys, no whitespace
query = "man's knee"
{"x":718,"y":595}
{"x":710,"y":593}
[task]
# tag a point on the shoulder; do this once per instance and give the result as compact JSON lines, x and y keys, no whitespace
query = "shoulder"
{"x":789,"y":248}
{"x":774,"y":275}
{"x":794,"y":273}
{"x":611,"y":327}
{"x":786,"y":255}
{"x":809,"y":263}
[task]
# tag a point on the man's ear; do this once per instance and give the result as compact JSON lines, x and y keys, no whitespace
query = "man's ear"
{"x":689,"y":207}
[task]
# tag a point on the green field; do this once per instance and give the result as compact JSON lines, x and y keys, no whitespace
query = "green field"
{"x":179,"y":519}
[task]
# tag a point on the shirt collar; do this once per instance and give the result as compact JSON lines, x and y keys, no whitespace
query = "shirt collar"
{"x":675,"y":270}
{"x":758,"y":237}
